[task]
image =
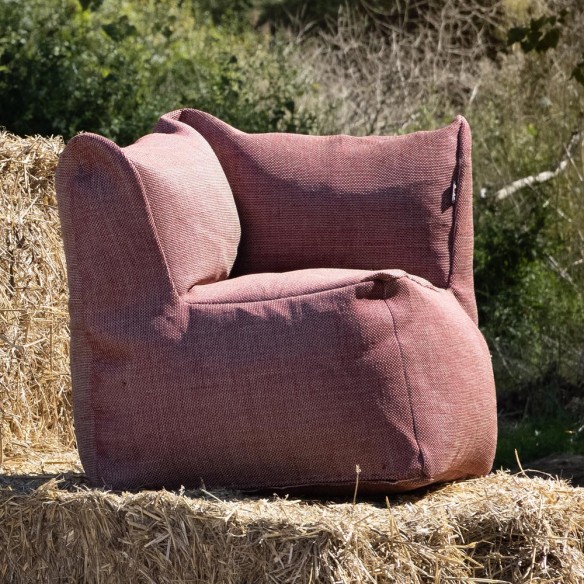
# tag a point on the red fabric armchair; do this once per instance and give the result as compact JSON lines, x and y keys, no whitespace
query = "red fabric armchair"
{"x":260,"y":311}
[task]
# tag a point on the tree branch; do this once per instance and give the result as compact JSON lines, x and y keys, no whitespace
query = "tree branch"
{"x":542,"y":177}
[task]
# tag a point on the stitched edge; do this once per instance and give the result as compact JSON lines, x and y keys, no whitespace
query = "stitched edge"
{"x":63,"y":177}
{"x":418,"y":481}
{"x":422,"y":458}
{"x":354,"y":284}
{"x":386,"y":277}
{"x":376,"y":277}
{"x":456,"y":205}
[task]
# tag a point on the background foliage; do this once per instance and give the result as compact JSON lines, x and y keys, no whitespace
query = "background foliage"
{"x":113,"y":67}
{"x":514,"y":68}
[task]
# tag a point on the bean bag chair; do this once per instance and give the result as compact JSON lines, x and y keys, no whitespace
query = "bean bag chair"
{"x":272,"y":311}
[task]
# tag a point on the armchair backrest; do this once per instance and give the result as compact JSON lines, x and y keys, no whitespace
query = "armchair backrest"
{"x":373,"y":203}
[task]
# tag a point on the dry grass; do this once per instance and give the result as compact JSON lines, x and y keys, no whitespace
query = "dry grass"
{"x":404,"y":66}
{"x":500,"y":528}
{"x":34,"y":361}
{"x":54,"y":529}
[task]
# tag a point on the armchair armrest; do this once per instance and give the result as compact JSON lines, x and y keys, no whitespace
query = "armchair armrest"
{"x":140,"y":226}
{"x":110,"y":239}
{"x":158,"y":216}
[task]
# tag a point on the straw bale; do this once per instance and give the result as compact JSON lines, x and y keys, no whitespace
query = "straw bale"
{"x":501,"y":528}
{"x":34,"y":364}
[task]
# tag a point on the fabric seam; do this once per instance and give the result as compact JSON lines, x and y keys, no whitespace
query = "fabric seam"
{"x":455,"y":205}
{"x":354,"y":284}
{"x":324,"y":482}
{"x":365,"y":281}
{"x":422,"y":458}
{"x":88,"y":367}
{"x":333,"y":482}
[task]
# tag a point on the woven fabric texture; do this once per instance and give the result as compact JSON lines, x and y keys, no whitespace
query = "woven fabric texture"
{"x":339,"y":354}
{"x":346,"y":202}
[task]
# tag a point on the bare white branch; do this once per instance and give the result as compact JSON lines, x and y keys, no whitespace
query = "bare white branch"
{"x":542,"y":177}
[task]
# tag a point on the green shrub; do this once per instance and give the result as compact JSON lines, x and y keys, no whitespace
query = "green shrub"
{"x":114,"y":67}
{"x":529,"y":255}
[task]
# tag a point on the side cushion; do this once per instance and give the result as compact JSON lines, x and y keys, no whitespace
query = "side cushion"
{"x":191,"y":202}
{"x":186,"y":193}
{"x":373,"y":203}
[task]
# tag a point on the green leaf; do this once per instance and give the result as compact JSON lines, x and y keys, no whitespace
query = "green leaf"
{"x":528,"y":44}
{"x":90,"y":4}
{"x":531,"y":130}
{"x":563,"y":16}
{"x":516,"y":35}
{"x":120,"y":29}
{"x":541,"y":35}
{"x":578,"y":73}
{"x":548,"y":41}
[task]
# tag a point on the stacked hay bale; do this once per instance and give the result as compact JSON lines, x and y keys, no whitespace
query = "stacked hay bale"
{"x":499,"y":528}
{"x":34,"y":368}
{"x":496,"y":529}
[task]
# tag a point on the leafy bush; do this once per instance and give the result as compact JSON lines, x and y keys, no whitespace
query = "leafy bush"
{"x":114,"y":67}
{"x":529,"y":254}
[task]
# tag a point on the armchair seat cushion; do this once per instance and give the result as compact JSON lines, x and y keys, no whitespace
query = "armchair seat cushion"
{"x":253,"y":385}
